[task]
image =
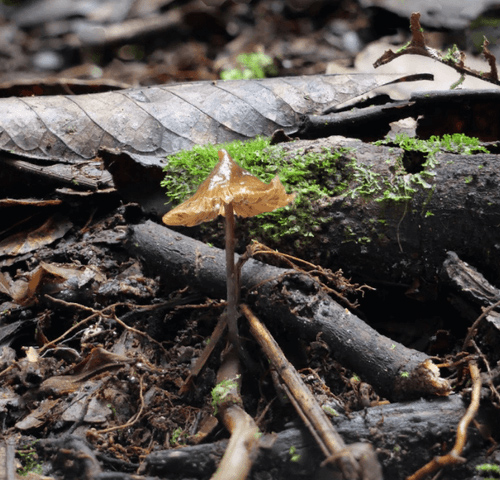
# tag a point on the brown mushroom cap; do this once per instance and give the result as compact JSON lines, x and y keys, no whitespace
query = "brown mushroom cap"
{"x":229,"y":183}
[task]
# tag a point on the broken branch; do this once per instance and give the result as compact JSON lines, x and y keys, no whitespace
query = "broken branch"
{"x":314,"y":417}
{"x":453,"y":59}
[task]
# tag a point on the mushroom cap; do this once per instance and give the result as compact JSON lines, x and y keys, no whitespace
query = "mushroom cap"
{"x":229,"y":183}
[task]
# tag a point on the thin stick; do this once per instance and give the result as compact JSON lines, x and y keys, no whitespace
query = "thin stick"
{"x":205,"y":355}
{"x":475,"y":325}
{"x":134,"y":418}
{"x":453,"y":457}
{"x":330,"y":442}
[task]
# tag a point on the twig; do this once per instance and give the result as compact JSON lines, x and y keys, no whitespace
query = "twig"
{"x":207,"y":351}
{"x":100,"y":313}
{"x":329,"y":440}
{"x":454,"y":59}
{"x":244,"y":442}
{"x":475,"y":325}
{"x":134,"y":417}
{"x":336,"y":278}
{"x":453,"y":457}
{"x":489,"y":378}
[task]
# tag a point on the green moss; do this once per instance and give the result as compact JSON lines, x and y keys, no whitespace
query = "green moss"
{"x":222,"y":390}
{"x":456,"y":143}
{"x":309,"y":175}
{"x":315,"y":177}
{"x":404,"y":185}
{"x":29,"y":460}
{"x":178,"y":437}
{"x":253,"y":65}
{"x":452,"y":55}
{"x":488,"y":469}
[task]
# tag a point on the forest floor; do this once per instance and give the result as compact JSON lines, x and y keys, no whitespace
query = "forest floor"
{"x":96,"y":345}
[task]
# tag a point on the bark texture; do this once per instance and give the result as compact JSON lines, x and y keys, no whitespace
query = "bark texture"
{"x":397,"y":240}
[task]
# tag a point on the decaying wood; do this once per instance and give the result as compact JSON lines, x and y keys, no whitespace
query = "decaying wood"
{"x":454,"y":456}
{"x":398,"y":241}
{"x":405,"y":436}
{"x":437,"y":112}
{"x":468,"y":281}
{"x":297,"y":303}
{"x":294,"y":301}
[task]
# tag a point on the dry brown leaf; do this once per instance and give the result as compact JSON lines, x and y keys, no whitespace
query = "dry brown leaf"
{"x":23,"y":242}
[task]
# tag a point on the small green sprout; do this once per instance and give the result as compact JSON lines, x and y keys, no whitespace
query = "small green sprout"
{"x":405,"y":374}
{"x":112,"y":408}
{"x":30,"y":461}
{"x":294,"y":456}
{"x":177,"y":437}
{"x":221,"y":391}
{"x":254,"y":65}
{"x":330,"y":411}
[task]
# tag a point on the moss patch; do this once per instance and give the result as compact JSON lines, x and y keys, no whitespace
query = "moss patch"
{"x":317,"y":177}
{"x":309,"y":175}
{"x":409,"y":178}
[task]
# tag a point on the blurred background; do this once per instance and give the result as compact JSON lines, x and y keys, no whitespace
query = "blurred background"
{"x":95,"y":45}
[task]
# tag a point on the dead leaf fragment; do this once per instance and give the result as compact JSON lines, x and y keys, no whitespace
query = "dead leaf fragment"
{"x":27,"y":241}
{"x":98,"y":361}
{"x":47,"y":276}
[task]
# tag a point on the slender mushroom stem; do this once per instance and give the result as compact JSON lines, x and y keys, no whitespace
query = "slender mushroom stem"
{"x":231,"y":280}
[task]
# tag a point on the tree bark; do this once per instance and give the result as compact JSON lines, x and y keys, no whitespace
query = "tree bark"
{"x":400,"y":240}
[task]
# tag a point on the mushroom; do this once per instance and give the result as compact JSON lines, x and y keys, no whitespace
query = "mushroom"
{"x":229,"y":190}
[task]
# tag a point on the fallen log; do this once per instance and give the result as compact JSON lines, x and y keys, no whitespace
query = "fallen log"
{"x":405,"y":436}
{"x":294,"y":301}
{"x":399,"y":210}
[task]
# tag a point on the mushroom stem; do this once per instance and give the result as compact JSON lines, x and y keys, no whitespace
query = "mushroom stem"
{"x":231,"y":280}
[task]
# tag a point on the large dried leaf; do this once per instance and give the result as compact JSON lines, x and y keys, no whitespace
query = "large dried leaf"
{"x":157,"y":121}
